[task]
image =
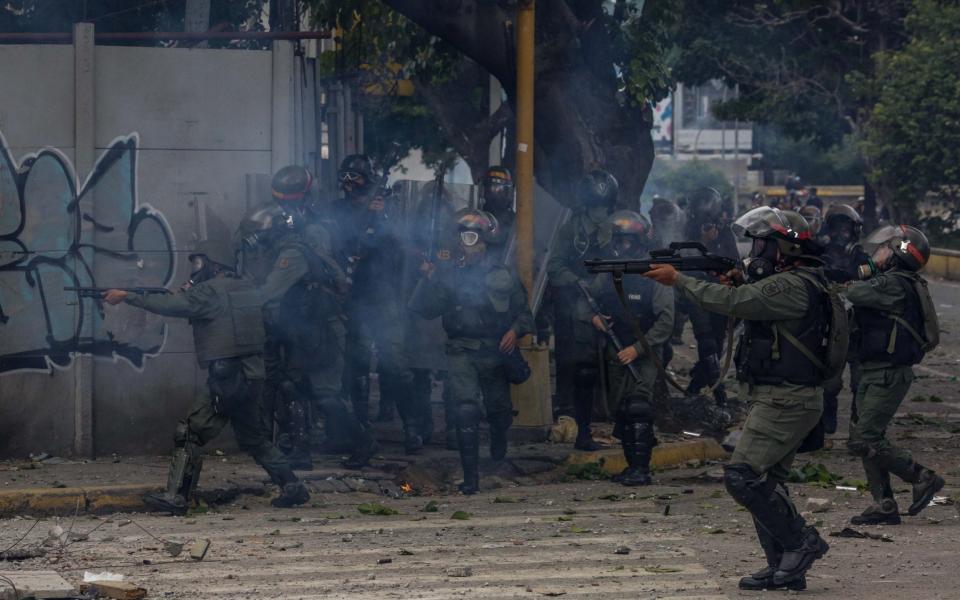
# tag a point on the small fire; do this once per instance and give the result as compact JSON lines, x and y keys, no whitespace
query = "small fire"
{"x":406,"y":488}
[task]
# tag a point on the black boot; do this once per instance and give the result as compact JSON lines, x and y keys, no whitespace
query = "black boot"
{"x":829,"y":416}
{"x":362,"y":454}
{"x":797,"y":561}
{"x":926,"y":484}
{"x":884,"y":512}
{"x":499,"y":425}
{"x":583,"y":409}
{"x":185,"y":466}
{"x":763,"y":579}
{"x":468,"y":438}
{"x":292,"y":494}
{"x":638,"y":443}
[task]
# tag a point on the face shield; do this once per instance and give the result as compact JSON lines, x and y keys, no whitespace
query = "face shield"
{"x":761,"y":222}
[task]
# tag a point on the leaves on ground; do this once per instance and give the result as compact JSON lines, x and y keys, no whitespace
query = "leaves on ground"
{"x":592,"y":471}
{"x":374,"y":508}
{"x":461,"y":515}
{"x":659,"y":569}
{"x":431,"y":506}
{"x":505,"y":500}
{"x":817,"y":474}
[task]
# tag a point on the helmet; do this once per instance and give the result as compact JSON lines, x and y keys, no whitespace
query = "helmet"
{"x":814,"y":218}
{"x":908,"y":244}
{"x":843,"y":211}
{"x":480,"y":222}
{"x":598,"y":188}
{"x":218,"y":251}
{"x":628,"y":222}
{"x":356,"y":173}
{"x":261,"y":222}
{"x":663,"y":212}
{"x":497,"y":186}
{"x":793,"y":183}
{"x":705,"y":205}
{"x":291,"y":183}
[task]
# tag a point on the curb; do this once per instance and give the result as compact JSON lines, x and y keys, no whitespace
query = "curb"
{"x":668,"y":455}
{"x":65,"y":501}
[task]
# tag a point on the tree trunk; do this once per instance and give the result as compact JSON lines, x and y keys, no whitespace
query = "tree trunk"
{"x":580,"y":123}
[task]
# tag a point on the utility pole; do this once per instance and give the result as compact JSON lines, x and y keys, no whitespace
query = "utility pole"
{"x":531,"y":399}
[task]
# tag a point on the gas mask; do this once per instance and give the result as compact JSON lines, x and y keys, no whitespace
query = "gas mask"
{"x":472,"y":248}
{"x":201,"y":269}
{"x":624,"y":246}
{"x":352,"y":183}
{"x":598,"y":214}
{"x":881,"y":260}
{"x":763,"y":259}
{"x":497,"y":196}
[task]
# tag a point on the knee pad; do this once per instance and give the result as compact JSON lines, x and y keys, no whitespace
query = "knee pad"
{"x":638,"y":409}
{"x":468,"y":415}
{"x":745,"y":485}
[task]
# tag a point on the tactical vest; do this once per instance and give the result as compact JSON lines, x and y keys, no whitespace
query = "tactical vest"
{"x":472,"y":314}
{"x":765,"y":357}
{"x":315,"y":298}
{"x":884,"y":340}
{"x":639,"y":293}
{"x":237,"y":328}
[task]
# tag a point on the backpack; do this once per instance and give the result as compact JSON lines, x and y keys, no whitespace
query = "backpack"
{"x":836,"y":330}
{"x":929,"y":338}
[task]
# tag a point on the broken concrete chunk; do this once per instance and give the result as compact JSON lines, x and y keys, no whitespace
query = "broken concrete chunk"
{"x":199,"y":548}
{"x":460,"y":572}
{"x":819,"y":505}
{"x":39,"y":584}
{"x":120,"y":590}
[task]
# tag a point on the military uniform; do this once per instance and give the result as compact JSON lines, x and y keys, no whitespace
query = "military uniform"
{"x":886,"y":307}
{"x":653,"y":305}
{"x":306,"y":336}
{"x":785,"y":395}
{"x":585,"y":236}
{"x":478,"y":304}
{"x":228,"y":336}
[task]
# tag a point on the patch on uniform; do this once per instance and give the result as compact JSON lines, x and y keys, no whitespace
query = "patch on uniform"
{"x":773,"y":288}
{"x":635,"y":297}
{"x":283,"y":263}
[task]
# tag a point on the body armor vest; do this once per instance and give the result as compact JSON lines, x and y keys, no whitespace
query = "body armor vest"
{"x":639,"y":293}
{"x":765,"y":357}
{"x":472,"y":314}
{"x":237,"y":328}
{"x":882,"y":339}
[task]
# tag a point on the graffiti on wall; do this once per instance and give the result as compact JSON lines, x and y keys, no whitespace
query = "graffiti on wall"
{"x":57,"y":233}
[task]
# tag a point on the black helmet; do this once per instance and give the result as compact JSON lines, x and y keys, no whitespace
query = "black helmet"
{"x":497,"y":187}
{"x":907,"y":243}
{"x":598,"y":188}
{"x":843,"y":211}
{"x":291,"y":183}
{"x":356,"y":173}
{"x":478,"y":221}
{"x":705,"y":205}
{"x":628,"y":222}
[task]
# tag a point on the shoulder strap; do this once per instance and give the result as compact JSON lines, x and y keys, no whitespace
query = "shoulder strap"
{"x":907,"y":281}
{"x":814,"y":282}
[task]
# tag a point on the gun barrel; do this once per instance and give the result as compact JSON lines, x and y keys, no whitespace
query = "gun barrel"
{"x":618,"y":266}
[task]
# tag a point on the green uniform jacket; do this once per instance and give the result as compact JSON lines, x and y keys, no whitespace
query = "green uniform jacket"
{"x":574,"y":243}
{"x":500,"y":293}
{"x":202,"y":302}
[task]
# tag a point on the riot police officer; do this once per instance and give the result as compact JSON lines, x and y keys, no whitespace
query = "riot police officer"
{"x":783,"y":306}
{"x":228,"y":335}
{"x":704,"y":224}
{"x":898,"y":325}
{"x":497,"y":192}
{"x":484,"y":311}
{"x":303,"y":294}
{"x":843,"y":254}
{"x":373,"y":253}
{"x":654,"y":307}
{"x":584,"y":236}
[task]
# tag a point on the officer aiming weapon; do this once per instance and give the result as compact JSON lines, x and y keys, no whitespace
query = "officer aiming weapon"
{"x":666,"y":256}
{"x":96,"y":292}
{"x":607,"y":330}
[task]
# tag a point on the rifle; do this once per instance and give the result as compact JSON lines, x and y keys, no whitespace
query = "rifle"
{"x":96,"y":292}
{"x":666,"y":256}
{"x":607,"y":330}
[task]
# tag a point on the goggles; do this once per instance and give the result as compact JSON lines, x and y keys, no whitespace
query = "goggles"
{"x":352,"y":177}
{"x":469,"y":238}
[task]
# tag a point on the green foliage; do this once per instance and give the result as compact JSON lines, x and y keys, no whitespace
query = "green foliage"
{"x":817,"y":474}
{"x":461,"y":515}
{"x":431,"y":506}
{"x":913,"y":132}
{"x":839,"y":164}
{"x":374,"y":508}
{"x":591,"y":471}
{"x":679,"y":182}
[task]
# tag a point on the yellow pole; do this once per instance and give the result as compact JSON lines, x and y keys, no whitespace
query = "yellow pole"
{"x":525,"y":66}
{"x":532,"y":398}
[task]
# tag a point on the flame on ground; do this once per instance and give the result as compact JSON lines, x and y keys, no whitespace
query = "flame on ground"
{"x":406,"y":487}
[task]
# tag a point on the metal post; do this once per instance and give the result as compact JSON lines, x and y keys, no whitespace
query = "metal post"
{"x":532,"y":399}
{"x":281,"y":122}
{"x":496,"y":144}
{"x":85,"y":146}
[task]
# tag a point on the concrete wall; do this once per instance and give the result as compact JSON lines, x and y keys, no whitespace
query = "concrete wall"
{"x":113,"y":161}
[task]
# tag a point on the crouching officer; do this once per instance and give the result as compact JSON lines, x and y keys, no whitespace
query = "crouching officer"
{"x":484,"y":311}
{"x":228,"y":335}
{"x":785,"y":306}
{"x":898,"y":325}
{"x":632,"y":372}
